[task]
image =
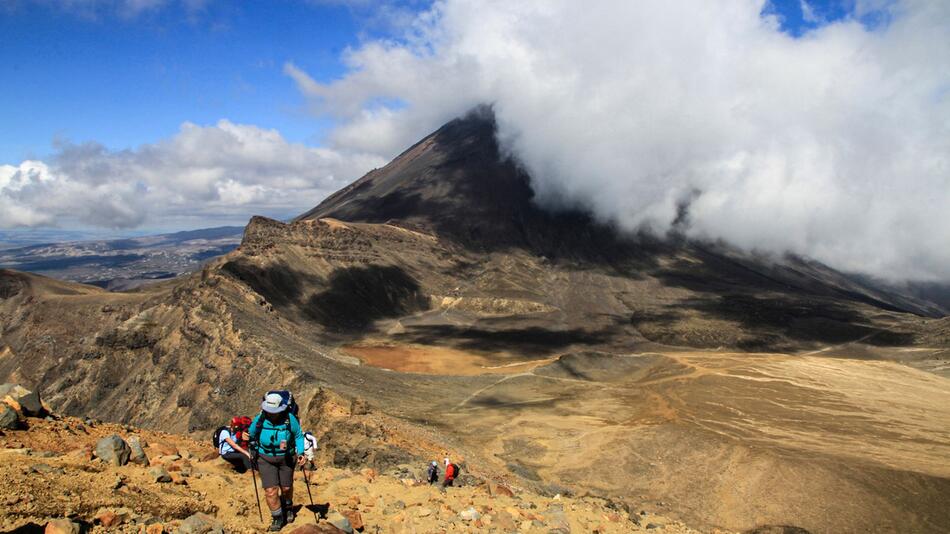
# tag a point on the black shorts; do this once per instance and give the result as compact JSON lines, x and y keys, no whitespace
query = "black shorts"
{"x":276,"y":470}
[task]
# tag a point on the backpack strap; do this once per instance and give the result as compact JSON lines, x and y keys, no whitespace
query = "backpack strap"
{"x":259,"y":424}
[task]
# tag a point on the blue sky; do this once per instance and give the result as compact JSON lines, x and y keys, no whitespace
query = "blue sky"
{"x":123,"y":79}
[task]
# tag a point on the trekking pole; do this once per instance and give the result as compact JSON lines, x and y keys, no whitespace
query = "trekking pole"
{"x":312,"y":507}
{"x":257,"y":497}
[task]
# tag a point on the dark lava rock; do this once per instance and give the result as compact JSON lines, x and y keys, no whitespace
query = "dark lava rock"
{"x":113,"y":450}
{"x":200,"y":524}
{"x":9,"y":418}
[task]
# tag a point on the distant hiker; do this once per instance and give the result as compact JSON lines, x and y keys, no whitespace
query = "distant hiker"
{"x":232,"y":442}
{"x":432,"y":474}
{"x":451,"y":471}
{"x":278,"y":446}
{"x":310,"y":446}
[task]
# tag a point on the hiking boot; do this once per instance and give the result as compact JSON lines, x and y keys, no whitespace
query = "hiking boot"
{"x":277,"y":524}
{"x":289,"y":514}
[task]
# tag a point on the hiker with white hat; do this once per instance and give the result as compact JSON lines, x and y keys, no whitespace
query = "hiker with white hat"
{"x":451,"y":471}
{"x":278,"y":444}
{"x":432,"y":474}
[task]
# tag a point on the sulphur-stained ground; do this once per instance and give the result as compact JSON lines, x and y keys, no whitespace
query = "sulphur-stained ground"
{"x":48,"y":472}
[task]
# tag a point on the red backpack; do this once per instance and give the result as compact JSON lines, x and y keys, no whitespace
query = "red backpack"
{"x":239,"y":430}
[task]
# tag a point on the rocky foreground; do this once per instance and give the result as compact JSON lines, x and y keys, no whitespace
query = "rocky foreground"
{"x":68,"y":475}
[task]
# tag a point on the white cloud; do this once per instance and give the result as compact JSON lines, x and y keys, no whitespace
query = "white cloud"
{"x":227,"y":171}
{"x":835,"y":145}
{"x":808,"y":12}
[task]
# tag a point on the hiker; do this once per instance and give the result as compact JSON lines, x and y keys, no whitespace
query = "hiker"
{"x":451,"y":471}
{"x":279,"y":448}
{"x":310,"y":445}
{"x":233,"y":443}
{"x":433,"y":472}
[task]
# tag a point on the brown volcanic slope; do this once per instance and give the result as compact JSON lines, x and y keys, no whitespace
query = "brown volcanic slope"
{"x":736,"y":391}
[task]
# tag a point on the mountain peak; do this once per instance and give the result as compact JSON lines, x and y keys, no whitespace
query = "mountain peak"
{"x":457,"y":183}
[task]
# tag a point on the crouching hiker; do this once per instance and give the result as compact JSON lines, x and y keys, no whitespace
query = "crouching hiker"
{"x":232,"y":443}
{"x":279,"y":447}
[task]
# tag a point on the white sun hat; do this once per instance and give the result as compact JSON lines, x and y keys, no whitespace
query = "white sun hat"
{"x":273,"y":403}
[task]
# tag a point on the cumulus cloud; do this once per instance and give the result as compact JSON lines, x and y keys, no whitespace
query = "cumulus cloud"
{"x":227,"y":172}
{"x":834,"y":145}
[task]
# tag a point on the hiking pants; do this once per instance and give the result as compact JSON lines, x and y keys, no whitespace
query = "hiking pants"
{"x":447,"y":482}
{"x":276,"y":470}
{"x":240,"y":462}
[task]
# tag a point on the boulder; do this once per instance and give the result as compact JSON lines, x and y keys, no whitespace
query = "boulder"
{"x":9,"y":418}
{"x":61,"y":526}
{"x":107,"y":518}
{"x":137,"y":455}
{"x":113,"y":450}
{"x":355,"y":519}
{"x":28,"y":402}
{"x":159,"y":474}
{"x":164,"y":449}
{"x":200,"y":524}
{"x":340,"y":521}
{"x":155,"y":528}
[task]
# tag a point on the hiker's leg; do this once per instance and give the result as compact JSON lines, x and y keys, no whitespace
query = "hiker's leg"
{"x":287,"y":487}
{"x":270,"y":480}
{"x":269,"y":468}
{"x":272,"y":496}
